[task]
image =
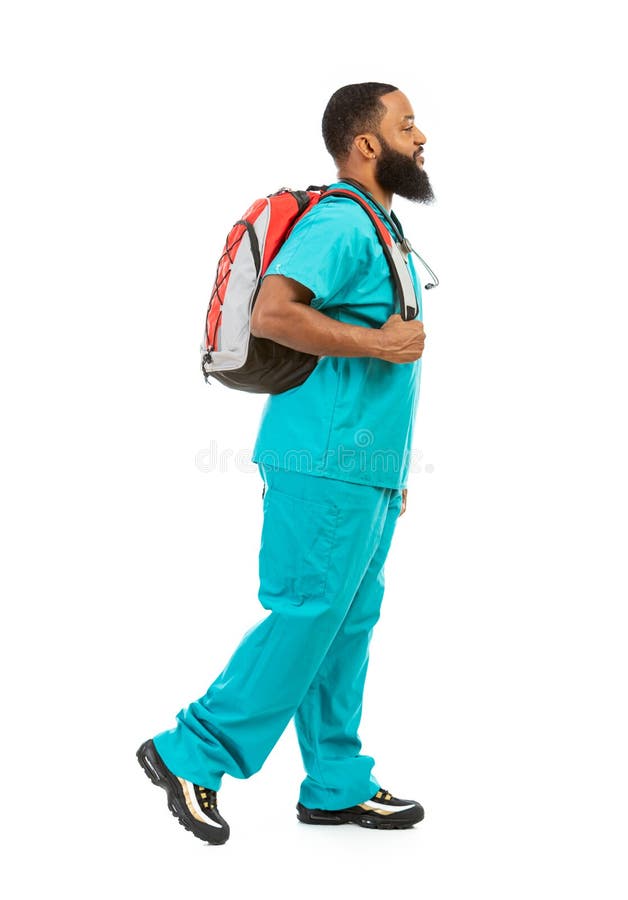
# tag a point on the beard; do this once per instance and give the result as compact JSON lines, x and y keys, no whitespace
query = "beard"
{"x":402,"y":175}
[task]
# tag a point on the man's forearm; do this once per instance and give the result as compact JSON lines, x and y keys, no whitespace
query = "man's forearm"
{"x":304,"y":328}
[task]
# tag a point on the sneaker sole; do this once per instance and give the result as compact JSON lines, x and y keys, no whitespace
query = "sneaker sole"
{"x":364,"y":820}
{"x":155,"y":769}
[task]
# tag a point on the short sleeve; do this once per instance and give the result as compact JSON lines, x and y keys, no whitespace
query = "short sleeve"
{"x":326,"y":251}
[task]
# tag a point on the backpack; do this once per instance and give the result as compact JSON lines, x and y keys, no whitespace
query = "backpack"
{"x":230,"y":353}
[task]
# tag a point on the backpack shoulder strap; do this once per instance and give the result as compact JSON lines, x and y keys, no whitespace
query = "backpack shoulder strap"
{"x":397,"y":261}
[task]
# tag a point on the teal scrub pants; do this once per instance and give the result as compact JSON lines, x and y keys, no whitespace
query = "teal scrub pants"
{"x":321,"y":573}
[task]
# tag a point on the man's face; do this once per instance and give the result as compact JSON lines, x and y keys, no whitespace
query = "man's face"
{"x":399,"y":165}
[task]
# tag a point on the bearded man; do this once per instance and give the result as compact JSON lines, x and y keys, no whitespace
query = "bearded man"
{"x":334,"y":456}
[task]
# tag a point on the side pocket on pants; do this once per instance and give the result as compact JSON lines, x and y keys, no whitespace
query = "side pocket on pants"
{"x":295,"y":552}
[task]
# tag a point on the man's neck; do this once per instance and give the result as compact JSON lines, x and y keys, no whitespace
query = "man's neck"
{"x":369,"y":184}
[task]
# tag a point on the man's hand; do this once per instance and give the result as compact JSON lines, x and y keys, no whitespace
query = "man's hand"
{"x":401,"y":341}
{"x":404,"y":498}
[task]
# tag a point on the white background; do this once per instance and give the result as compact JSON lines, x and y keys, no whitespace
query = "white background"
{"x":135,"y":133}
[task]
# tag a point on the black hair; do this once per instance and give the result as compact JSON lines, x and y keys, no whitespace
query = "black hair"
{"x":352,"y":109}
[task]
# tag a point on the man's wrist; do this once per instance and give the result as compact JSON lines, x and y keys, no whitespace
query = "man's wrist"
{"x":374,"y":343}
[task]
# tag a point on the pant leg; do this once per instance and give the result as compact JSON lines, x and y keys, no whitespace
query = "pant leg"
{"x":327,"y":720}
{"x":317,"y":539}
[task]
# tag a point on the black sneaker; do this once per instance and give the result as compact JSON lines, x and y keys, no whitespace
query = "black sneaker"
{"x":381,"y":811}
{"x":194,"y":806}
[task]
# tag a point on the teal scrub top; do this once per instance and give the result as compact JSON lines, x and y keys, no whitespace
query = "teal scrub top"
{"x":353,"y":417}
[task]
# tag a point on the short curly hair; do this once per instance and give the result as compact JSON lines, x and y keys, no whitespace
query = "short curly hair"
{"x":351,"y":110}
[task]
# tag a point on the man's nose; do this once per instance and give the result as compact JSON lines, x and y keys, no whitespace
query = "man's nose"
{"x":419,"y":137}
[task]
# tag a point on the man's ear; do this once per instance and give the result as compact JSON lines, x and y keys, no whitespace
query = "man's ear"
{"x":367,"y":145}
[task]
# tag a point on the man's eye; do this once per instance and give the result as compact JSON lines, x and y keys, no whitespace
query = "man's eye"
{"x":410,"y":128}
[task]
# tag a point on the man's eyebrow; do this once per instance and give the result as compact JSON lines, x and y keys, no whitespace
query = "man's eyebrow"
{"x":409,"y":117}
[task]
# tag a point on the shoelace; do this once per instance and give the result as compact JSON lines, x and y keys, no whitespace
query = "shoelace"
{"x":208,"y":797}
{"x":383,"y":795}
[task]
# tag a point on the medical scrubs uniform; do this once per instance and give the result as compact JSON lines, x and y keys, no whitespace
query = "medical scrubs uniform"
{"x":334,"y":454}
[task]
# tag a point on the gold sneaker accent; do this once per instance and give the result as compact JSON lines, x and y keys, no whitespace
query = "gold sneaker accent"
{"x":378,"y":812}
{"x":188,"y":800}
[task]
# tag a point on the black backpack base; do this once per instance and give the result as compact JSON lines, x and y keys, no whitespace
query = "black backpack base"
{"x":270,"y":368}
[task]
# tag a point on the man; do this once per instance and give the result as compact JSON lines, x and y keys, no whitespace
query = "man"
{"x":334,"y":456}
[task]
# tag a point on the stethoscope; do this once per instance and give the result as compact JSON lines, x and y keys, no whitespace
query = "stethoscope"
{"x":404,"y":244}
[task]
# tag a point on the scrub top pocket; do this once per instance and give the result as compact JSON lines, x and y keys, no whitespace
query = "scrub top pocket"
{"x":295,"y":552}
